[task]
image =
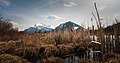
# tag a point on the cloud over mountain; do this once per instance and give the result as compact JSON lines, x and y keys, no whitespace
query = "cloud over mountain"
{"x":4,"y":2}
{"x":53,"y":18}
{"x":70,"y":4}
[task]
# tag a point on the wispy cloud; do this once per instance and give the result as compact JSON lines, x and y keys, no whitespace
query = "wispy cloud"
{"x":116,"y":15}
{"x":5,"y":2}
{"x":53,"y":18}
{"x":14,"y":23}
{"x":102,"y":7}
{"x":51,"y":2}
{"x":70,"y":4}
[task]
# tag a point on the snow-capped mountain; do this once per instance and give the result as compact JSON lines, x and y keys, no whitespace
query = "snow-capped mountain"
{"x":45,"y":28}
{"x":69,"y":25}
{"x":39,"y":28}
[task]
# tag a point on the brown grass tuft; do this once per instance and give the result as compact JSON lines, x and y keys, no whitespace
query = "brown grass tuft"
{"x":7,"y":58}
{"x":52,"y":60}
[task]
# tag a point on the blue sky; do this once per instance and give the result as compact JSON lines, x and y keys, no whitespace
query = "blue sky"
{"x":26,"y":13}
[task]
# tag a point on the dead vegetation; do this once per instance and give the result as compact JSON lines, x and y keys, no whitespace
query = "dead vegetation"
{"x":44,"y":46}
{"x":50,"y":47}
{"x":8,"y":58}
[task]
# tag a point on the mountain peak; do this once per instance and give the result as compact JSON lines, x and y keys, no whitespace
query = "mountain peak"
{"x":69,"y":25}
{"x":69,"y":22}
{"x":39,"y":28}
